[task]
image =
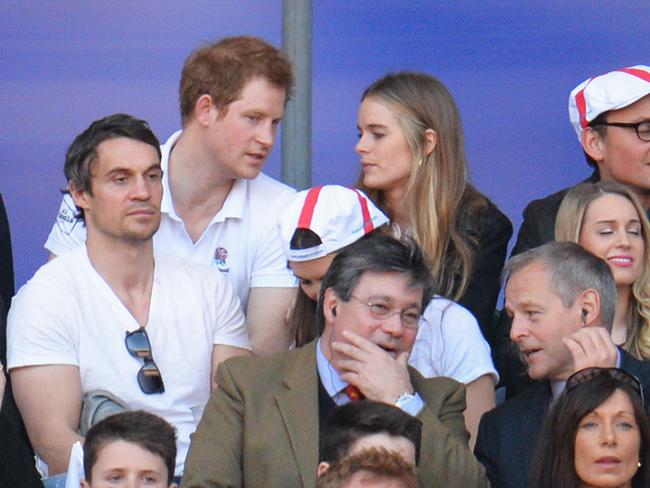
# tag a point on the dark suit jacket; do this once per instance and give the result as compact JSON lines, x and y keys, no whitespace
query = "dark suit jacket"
{"x":507,"y":435}
{"x":6,"y":259}
{"x":6,"y":274}
{"x":260,"y":428}
{"x":16,"y":455}
{"x":491,"y":230}
{"x":538,"y":226}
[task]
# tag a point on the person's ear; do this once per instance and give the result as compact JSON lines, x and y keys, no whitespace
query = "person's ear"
{"x":589,"y":304}
{"x":80,"y":197}
{"x":322,"y":468}
{"x":592,"y":143}
{"x":330,"y":301}
{"x":204,"y":110}
{"x":85,"y":484}
{"x":431,"y":140}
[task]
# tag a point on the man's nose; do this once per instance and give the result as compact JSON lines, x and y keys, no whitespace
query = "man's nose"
{"x":140,"y":190}
{"x":266,"y":134}
{"x":393,"y":324}
{"x":518,"y":330}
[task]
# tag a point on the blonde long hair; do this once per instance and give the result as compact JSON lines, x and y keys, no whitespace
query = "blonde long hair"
{"x":568,"y":226}
{"x":437,"y":186}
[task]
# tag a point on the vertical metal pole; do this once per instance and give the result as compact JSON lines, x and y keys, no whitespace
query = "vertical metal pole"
{"x":296,"y":126}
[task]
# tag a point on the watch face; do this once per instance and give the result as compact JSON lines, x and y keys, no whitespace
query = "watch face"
{"x":404,"y":398}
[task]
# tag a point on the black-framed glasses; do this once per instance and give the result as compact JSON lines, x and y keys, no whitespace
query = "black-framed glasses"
{"x":149,"y":377}
{"x":618,"y":374}
{"x":642,"y":128}
{"x":410,"y":319}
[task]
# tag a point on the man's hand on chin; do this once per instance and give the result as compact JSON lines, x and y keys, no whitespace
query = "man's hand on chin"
{"x":379,"y":375}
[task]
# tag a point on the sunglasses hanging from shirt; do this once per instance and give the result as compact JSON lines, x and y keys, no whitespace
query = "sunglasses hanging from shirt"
{"x":149,"y":377}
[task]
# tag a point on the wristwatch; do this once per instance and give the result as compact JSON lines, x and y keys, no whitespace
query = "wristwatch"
{"x":403,"y":399}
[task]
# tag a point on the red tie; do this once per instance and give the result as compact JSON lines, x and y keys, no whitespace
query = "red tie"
{"x":353,"y":393}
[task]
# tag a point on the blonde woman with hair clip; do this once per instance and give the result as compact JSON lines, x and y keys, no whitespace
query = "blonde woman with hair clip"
{"x":607,"y":219}
{"x":414,"y":168}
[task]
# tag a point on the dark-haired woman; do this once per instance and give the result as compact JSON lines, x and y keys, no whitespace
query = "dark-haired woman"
{"x":597,"y":435}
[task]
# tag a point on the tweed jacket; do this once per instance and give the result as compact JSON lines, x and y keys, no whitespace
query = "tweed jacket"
{"x":260,"y":428}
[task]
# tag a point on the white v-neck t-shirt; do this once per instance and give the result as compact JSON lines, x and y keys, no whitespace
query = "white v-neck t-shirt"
{"x":67,"y":314}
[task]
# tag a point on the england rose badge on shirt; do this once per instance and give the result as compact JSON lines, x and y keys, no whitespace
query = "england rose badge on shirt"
{"x":220,"y":257}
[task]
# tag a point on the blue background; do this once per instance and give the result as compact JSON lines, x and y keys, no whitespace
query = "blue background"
{"x":510,"y":66}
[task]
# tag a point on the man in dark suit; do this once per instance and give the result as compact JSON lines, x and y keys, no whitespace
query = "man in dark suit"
{"x":261,"y":427}
{"x":561,"y":299}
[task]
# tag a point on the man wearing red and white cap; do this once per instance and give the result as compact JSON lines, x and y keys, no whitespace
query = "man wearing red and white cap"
{"x":611,"y":116}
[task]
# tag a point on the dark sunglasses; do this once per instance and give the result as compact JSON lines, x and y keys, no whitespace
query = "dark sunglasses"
{"x":149,"y":377}
{"x":618,"y":374}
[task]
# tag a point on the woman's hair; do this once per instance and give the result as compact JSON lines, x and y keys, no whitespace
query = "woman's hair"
{"x":437,"y":186}
{"x":302,"y":318}
{"x":568,"y":226}
{"x":554,"y":459}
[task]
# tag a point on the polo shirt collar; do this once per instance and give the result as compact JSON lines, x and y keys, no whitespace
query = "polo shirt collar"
{"x":235,"y":204}
{"x":233,"y":207}
{"x":166,"y":205}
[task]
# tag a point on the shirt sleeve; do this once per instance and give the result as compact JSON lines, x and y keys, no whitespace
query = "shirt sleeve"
{"x":39,"y":328}
{"x":230,"y":324}
{"x":271,"y":269}
{"x":67,"y":232}
{"x":451,"y":344}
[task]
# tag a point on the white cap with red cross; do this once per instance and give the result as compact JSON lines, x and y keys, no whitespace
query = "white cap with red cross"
{"x":337,"y":214}
{"x":611,"y":91}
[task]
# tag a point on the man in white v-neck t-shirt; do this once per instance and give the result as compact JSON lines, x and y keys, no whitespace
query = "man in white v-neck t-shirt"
{"x":218,"y":209}
{"x":114,"y":315}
